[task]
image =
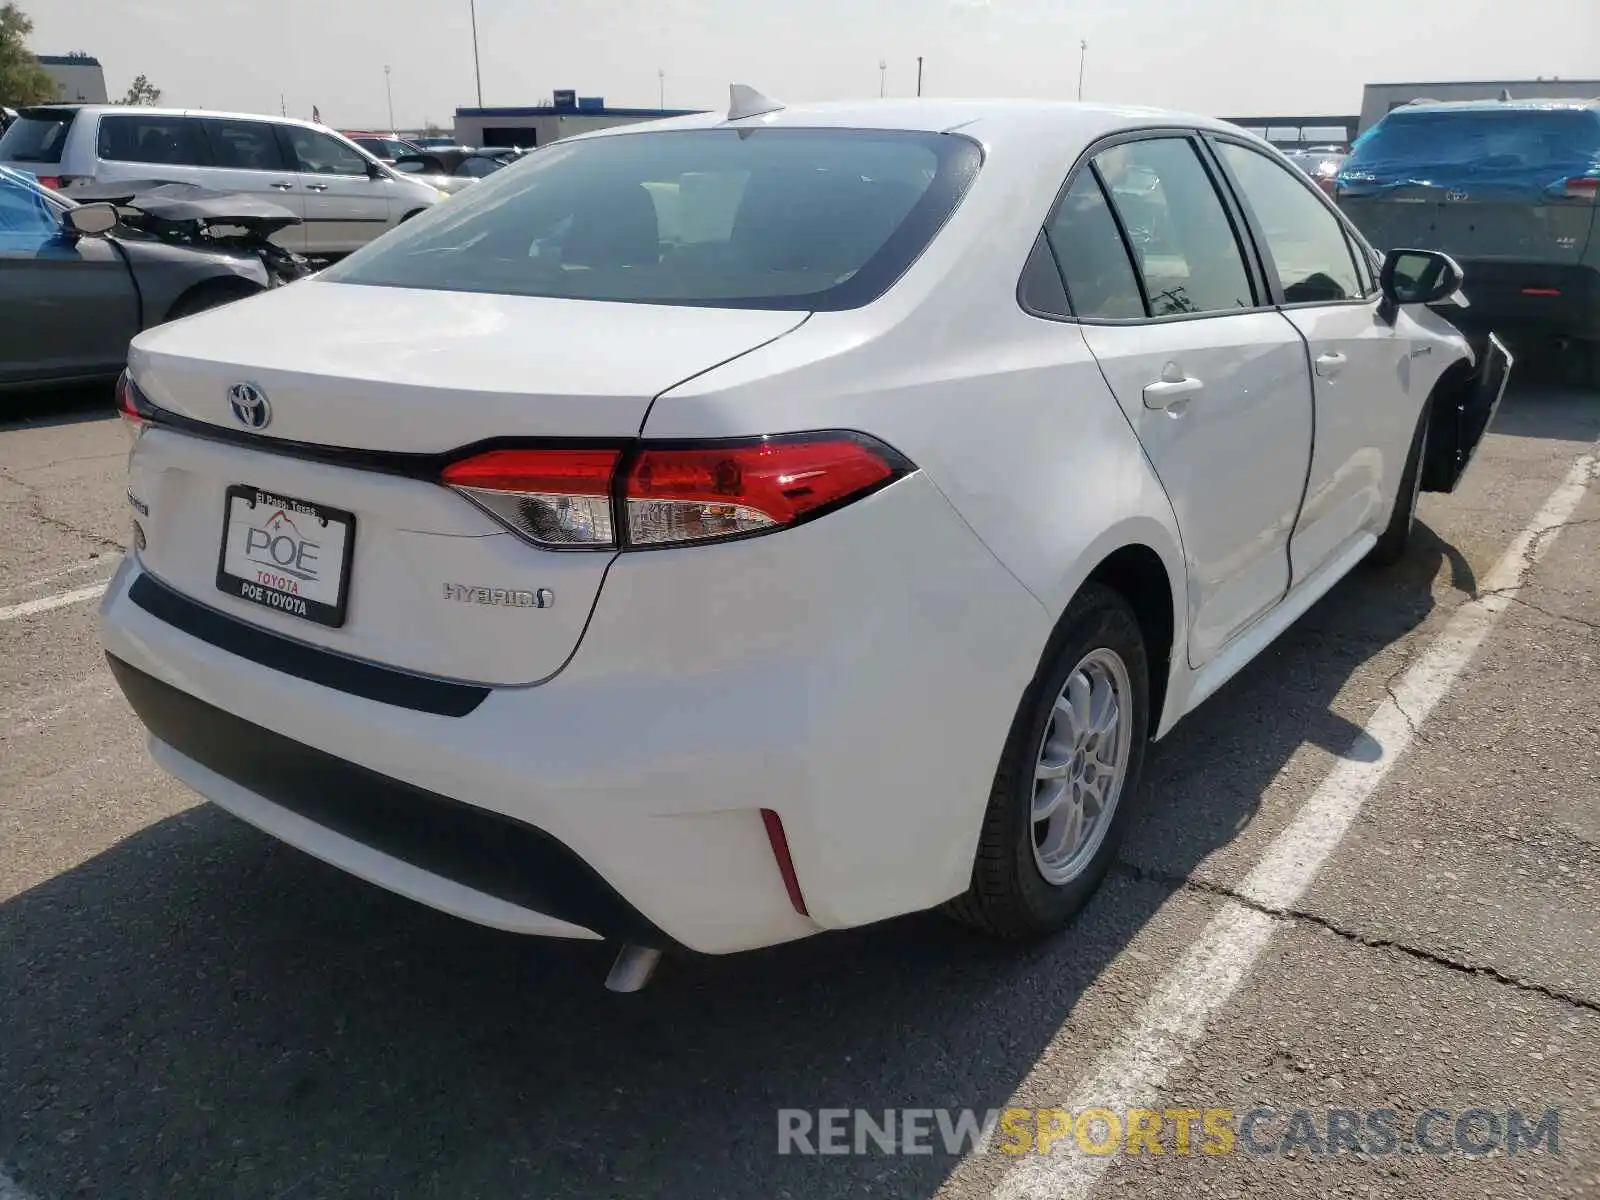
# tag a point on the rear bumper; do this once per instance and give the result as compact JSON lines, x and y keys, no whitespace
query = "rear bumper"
{"x":542,"y":886}
{"x":1530,"y":298}
{"x":857,"y":676}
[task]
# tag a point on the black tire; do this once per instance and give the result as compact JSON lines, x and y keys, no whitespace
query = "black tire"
{"x":1395,"y":539}
{"x":1009,"y":896}
{"x":214,"y":293}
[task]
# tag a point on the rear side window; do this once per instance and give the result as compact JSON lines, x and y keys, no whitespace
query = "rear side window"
{"x":1093,"y":256}
{"x":800,"y":219}
{"x":1182,"y":239}
{"x":150,"y":138}
{"x":1306,"y":242}
{"x":36,"y":139}
{"x":244,"y":145}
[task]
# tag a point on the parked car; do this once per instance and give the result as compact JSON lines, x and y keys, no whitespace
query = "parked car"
{"x":433,"y":142}
{"x":385,"y":147}
{"x":75,"y":285}
{"x":343,"y":196}
{"x":1321,"y":163}
{"x":1508,"y":188}
{"x":832,"y":555}
{"x":452,"y":170}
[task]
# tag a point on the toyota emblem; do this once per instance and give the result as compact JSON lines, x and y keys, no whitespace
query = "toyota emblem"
{"x":249,"y":404}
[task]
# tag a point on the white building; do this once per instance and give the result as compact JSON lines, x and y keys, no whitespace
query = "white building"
{"x":541,"y":124}
{"x":79,"y":78}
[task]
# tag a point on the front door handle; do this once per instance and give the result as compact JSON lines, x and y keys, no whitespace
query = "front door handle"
{"x":284,"y":187}
{"x":1330,"y":364}
{"x":1172,"y":390}
{"x":316,"y":187}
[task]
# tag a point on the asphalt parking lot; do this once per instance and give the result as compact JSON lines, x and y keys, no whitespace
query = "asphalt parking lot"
{"x":189,"y":1009}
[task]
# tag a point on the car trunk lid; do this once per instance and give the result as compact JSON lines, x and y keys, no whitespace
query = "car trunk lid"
{"x":327,"y":524}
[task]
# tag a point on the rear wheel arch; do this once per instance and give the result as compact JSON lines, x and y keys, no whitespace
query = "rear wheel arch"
{"x":1137,"y":573}
{"x":408,"y":216}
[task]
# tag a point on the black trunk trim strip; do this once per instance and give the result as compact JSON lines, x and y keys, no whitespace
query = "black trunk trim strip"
{"x":368,"y":680}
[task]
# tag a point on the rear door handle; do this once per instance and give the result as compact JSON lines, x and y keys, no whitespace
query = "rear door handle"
{"x":316,"y":187}
{"x":1329,"y":365}
{"x":1171,"y":393}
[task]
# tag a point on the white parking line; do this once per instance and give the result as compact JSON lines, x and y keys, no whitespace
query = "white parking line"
{"x":88,"y":564}
{"x":30,"y":608}
{"x":1173,"y":1019}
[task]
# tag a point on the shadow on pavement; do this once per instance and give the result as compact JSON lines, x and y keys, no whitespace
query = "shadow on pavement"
{"x":56,"y":406}
{"x":199,"y":1011}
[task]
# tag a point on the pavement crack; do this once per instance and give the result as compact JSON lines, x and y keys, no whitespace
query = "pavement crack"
{"x":1299,"y":916}
{"x":35,"y":509}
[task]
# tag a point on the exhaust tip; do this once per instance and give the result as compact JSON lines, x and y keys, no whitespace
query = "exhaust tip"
{"x":633,"y":968}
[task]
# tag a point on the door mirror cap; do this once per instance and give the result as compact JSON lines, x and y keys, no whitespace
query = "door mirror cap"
{"x":1421,"y":277}
{"x":91,"y":220}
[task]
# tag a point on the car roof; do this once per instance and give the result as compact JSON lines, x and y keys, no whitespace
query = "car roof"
{"x":148,"y":110}
{"x":990,"y":121}
{"x":1496,"y":105}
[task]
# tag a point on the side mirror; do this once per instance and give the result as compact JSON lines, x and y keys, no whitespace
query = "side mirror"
{"x":91,"y":220}
{"x":1420,"y":277}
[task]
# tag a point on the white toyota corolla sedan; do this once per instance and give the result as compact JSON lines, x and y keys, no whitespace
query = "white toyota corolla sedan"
{"x":710,"y":533}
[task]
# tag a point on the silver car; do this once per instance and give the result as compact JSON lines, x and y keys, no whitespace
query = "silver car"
{"x":343,"y":196}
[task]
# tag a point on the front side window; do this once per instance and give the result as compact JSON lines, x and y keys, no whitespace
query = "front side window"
{"x":1309,"y":250}
{"x":800,"y":219}
{"x":244,"y":145}
{"x":26,"y":217}
{"x":318,"y":154}
{"x":149,"y":138}
{"x":1188,"y":255}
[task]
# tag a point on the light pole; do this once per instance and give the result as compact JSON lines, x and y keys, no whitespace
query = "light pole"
{"x":388,"y":90}
{"x":883,"y":78}
{"x":477,"y":72}
{"x":661,"y":87}
{"x":1083,"y":56}
{"x":919,"y":75}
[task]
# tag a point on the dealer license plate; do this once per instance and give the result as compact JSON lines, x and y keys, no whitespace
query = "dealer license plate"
{"x":286,"y":554}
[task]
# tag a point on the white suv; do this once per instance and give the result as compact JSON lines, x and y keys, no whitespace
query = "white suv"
{"x":343,"y":195}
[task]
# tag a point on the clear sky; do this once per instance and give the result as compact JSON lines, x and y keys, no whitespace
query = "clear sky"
{"x":1224,"y":57}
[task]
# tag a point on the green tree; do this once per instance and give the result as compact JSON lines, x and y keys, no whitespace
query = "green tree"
{"x":22,"y":79}
{"x":142,"y":92}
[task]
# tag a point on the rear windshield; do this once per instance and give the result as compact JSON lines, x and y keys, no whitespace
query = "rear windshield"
{"x":1485,"y":139}
{"x":767,"y":218}
{"x":36,"y":139}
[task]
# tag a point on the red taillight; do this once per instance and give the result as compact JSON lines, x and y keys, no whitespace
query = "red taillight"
{"x":127,"y":405}
{"x":690,"y":493}
{"x":556,"y":498}
{"x":671,"y":494}
{"x":1541,"y":291}
{"x":1582,"y":187}
{"x":53,"y":182}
